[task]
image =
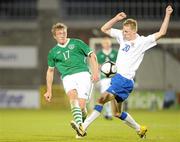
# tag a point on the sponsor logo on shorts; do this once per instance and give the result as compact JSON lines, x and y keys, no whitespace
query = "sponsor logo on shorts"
{"x":113,"y":91}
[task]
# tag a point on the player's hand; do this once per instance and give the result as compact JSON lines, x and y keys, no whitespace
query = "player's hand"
{"x":48,"y":96}
{"x":120,"y":16}
{"x":95,"y":77}
{"x":169,"y":10}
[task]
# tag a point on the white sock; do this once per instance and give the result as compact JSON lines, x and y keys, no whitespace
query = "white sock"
{"x":131,"y":122}
{"x":95,"y":114}
{"x":107,"y":109}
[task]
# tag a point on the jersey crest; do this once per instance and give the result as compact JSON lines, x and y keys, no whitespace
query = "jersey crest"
{"x":71,"y":46}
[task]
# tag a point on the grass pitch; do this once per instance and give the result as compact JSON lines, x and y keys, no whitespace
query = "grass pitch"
{"x":53,"y":126}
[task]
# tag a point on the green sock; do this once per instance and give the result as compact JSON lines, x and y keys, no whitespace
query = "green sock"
{"x":77,"y":114}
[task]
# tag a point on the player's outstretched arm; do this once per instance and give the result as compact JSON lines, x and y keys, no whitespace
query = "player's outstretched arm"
{"x":49,"y":81}
{"x":94,"y":67}
{"x":107,"y":26}
{"x":165,"y":23}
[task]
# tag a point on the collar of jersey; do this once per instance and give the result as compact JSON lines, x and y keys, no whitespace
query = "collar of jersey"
{"x":64,"y":45}
{"x":137,"y":36}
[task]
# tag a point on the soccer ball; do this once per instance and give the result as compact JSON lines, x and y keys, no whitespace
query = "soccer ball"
{"x":108,"y":68}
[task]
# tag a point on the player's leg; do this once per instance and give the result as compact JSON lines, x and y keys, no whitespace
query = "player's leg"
{"x":71,"y":91}
{"x":105,"y":97}
{"x":75,"y":108}
{"x":127,"y":118}
{"x":121,"y":88}
{"x":104,"y":84}
{"x":76,"y":112}
{"x":130,"y":121}
{"x":108,"y":111}
{"x":84,"y":87}
{"x":82,"y":104}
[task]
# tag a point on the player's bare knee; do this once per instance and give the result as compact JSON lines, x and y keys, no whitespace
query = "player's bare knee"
{"x":101,"y":100}
{"x":72,"y":94}
{"x":104,"y":98}
{"x":82,"y":103}
{"x":73,"y":101}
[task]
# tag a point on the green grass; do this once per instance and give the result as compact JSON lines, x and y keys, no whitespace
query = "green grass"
{"x":53,"y":126}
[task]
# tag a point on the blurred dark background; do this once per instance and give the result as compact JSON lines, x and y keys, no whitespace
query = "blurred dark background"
{"x":26,"y":24}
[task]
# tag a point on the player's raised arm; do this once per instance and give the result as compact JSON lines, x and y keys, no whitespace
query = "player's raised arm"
{"x":165,"y":23}
{"x":107,"y":26}
{"x":49,"y":81}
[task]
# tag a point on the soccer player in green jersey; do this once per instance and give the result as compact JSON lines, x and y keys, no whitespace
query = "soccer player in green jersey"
{"x":69,"y":57}
{"x":103,"y":55}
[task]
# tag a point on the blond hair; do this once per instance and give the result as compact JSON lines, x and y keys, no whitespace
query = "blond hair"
{"x":58,"y":26}
{"x":132,"y":23}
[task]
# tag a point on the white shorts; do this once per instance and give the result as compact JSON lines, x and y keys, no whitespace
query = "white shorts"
{"x":104,"y":84}
{"x":79,"y":81}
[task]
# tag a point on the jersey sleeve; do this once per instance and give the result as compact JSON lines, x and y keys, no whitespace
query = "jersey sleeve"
{"x":116,"y":34}
{"x":149,"y":42}
{"x":85,"y":48}
{"x":51,"y":62}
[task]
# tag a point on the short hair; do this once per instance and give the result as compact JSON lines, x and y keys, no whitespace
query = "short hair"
{"x":58,"y":26}
{"x":132,"y":23}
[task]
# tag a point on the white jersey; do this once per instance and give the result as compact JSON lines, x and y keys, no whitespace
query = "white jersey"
{"x":131,"y":53}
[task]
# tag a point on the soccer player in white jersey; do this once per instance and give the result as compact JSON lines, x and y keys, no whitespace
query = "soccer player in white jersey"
{"x":130,"y":55}
{"x":69,"y":56}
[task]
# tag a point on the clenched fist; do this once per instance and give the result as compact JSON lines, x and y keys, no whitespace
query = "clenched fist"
{"x":120,"y":16}
{"x":48,"y":96}
{"x":169,"y":10}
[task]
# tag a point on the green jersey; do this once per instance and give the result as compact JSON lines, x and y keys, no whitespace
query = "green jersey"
{"x":69,"y":58}
{"x":102,"y":57}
